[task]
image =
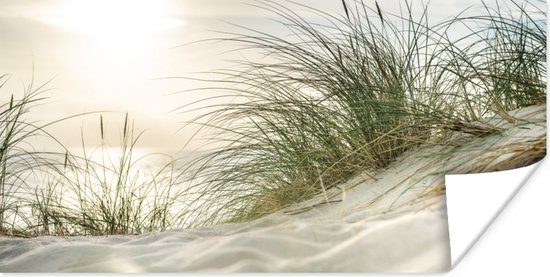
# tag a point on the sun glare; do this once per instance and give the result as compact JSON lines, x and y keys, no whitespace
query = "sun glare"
{"x":114,"y":46}
{"x":113,"y":18}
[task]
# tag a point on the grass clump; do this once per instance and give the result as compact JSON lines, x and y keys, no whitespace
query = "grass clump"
{"x":349,"y":93}
{"x":18,"y":160}
{"x":97,"y":192}
{"x":341,"y":95}
{"x":100,"y":193}
{"x":502,"y":61}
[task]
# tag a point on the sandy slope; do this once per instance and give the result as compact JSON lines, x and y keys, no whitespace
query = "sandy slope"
{"x":392,"y":221}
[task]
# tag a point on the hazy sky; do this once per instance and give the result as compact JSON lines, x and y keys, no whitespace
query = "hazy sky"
{"x":108,"y":55}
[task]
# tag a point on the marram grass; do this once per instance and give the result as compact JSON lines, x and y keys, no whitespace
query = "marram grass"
{"x":350,"y":93}
{"x":64,"y":193}
{"x":114,"y":195}
{"x":342,"y":95}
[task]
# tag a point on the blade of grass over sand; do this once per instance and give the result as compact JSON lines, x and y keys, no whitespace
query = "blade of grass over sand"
{"x":349,"y":93}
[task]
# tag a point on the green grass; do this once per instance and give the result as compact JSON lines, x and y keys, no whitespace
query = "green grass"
{"x":504,"y":68}
{"x":342,"y":94}
{"x":115,"y":195}
{"x":18,"y":160}
{"x":96,"y":193}
{"x":351,"y":92}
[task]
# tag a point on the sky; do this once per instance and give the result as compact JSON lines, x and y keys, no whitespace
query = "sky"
{"x":119,"y":56}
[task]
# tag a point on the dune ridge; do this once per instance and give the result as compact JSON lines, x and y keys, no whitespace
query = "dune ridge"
{"x":390,"y":221}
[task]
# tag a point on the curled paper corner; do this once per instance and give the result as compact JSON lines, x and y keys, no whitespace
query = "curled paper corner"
{"x":474,"y":201}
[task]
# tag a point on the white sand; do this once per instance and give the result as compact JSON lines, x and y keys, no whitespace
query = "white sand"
{"x":394,"y":222}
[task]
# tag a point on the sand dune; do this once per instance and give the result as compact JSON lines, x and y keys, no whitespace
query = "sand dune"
{"x":393,"y":221}
{"x":290,"y":245}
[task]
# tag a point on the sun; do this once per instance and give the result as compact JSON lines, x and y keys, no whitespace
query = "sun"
{"x":113,"y":47}
{"x":110,"y":18}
